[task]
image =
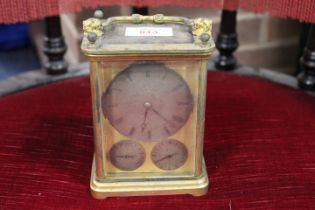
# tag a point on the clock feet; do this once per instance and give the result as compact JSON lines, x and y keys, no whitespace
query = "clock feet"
{"x":200,"y":192}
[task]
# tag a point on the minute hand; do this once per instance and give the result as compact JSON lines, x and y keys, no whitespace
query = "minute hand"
{"x":161,"y":116}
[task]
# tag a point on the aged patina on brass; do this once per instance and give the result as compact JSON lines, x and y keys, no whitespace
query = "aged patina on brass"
{"x":148,"y":94}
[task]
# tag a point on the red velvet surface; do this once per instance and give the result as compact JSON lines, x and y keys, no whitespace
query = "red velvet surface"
{"x":13,"y":11}
{"x":259,"y":149}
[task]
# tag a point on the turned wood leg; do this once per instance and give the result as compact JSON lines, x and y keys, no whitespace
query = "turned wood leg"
{"x":227,"y":41}
{"x":54,"y":46}
{"x":302,"y":43}
{"x":140,"y":10}
{"x":306,"y":78}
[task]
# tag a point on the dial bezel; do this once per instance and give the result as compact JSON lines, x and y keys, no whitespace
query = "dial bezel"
{"x":129,"y":160}
{"x":147,"y":112}
{"x":169,"y":154}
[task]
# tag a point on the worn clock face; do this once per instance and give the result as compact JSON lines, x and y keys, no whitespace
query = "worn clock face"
{"x":169,"y":154}
{"x":147,"y":101}
{"x":127,"y":155}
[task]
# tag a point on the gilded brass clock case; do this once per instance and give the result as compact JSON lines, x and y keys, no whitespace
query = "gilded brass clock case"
{"x":187,"y":55}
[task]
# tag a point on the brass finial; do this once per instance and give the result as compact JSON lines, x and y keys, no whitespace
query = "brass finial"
{"x":92,"y":37}
{"x":204,"y":37}
{"x":98,"y":14}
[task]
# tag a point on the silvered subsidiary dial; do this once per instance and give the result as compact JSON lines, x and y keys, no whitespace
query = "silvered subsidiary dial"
{"x":147,"y":101}
{"x":127,"y":155}
{"x":169,"y":154}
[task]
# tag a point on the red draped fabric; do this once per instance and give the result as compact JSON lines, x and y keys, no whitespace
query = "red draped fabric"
{"x":25,"y":10}
{"x":259,"y":149}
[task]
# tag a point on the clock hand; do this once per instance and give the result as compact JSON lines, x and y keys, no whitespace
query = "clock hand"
{"x":125,"y":156}
{"x":166,"y":157}
{"x":147,"y":106}
{"x":161,"y":116}
{"x":143,"y":125}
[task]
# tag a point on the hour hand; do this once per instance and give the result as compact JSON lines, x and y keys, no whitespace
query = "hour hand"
{"x":147,"y":106}
{"x":144,"y":124}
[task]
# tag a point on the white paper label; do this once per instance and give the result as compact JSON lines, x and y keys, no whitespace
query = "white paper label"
{"x":149,"y":31}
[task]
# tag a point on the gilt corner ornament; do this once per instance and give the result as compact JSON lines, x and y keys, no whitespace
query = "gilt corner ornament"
{"x":93,"y":25}
{"x":201,"y":25}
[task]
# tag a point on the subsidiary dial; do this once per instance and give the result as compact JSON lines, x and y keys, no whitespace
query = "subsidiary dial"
{"x":169,"y":154}
{"x":127,"y":155}
{"x":147,"y":101}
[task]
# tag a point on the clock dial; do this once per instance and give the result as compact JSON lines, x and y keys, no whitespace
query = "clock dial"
{"x":127,"y":155}
{"x":169,"y":154}
{"x":147,"y":101}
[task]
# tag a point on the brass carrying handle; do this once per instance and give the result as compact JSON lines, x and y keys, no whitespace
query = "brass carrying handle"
{"x":137,"y":19}
{"x":94,"y":26}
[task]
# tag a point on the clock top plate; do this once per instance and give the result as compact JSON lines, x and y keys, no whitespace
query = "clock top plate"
{"x":138,"y":34}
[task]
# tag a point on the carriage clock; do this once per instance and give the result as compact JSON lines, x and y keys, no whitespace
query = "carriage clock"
{"x":148,"y":82}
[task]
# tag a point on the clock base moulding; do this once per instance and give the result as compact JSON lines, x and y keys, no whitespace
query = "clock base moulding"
{"x":196,"y":186}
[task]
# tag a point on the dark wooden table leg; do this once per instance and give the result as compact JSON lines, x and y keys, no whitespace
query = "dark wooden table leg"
{"x":227,"y":41}
{"x":307,"y":77}
{"x":140,"y":10}
{"x":302,"y":43}
{"x":54,"y":46}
